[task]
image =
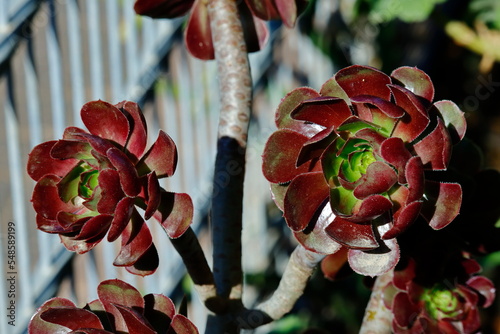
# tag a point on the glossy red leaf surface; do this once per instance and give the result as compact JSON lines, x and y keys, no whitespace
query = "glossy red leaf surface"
{"x":137,"y":138}
{"x":404,"y":310}
{"x":153,"y":195}
{"x":106,"y":121}
{"x":135,"y":323}
{"x":288,"y":104}
{"x":175,"y":213}
{"x":95,"y":227}
{"x":363,"y":80}
{"x":280,"y":156}
{"x":304,"y":197}
{"x":116,"y":292}
{"x":352,"y":235}
{"x":394,"y":151}
{"x":39,"y":326}
{"x":325,"y":111}
{"x":378,"y":179}
{"x":159,"y":310}
{"x":435,"y":148}
{"x":136,"y":240}
{"x":370,"y":208}
{"x":162,"y":8}
{"x":403,"y":218}
{"x":161,"y":157}
{"x":485,"y":287}
{"x":71,"y":149}
{"x":81,"y":246}
{"x":181,"y":325}
{"x":318,"y":240}
{"x":146,"y":264}
{"x":198,"y":34}
{"x":387,"y":107}
{"x":448,"y":199}
{"x":453,"y":118}
{"x":129,"y":180}
{"x":121,"y":218}
{"x":72,"y":318}
{"x":112,"y":193}
{"x":415,"y":80}
{"x":46,"y":191}
{"x":416,"y":119}
{"x":416,"y":179}
{"x":314,"y":147}
{"x":40,"y":162}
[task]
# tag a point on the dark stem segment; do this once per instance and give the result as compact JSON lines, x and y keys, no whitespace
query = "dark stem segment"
{"x":226,"y":217}
{"x":188,"y":247}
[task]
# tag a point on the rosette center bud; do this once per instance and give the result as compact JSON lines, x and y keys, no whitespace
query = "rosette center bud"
{"x":442,"y":303}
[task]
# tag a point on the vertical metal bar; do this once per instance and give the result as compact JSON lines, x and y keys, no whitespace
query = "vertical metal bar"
{"x":75,"y":59}
{"x":95,"y":49}
{"x":16,"y":169}
{"x":130,"y":45}
{"x":55,"y":73}
{"x":113,"y":50}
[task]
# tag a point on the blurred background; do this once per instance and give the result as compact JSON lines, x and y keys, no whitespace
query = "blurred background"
{"x":55,"y":55}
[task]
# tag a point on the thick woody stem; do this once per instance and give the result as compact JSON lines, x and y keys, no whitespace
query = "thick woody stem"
{"x":378,"y":318}
{"x":293,"y":282}
{"x":235,"y":86}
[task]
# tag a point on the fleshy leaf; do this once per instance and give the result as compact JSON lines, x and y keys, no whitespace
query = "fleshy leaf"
{"x":375,"y":262}
{"x":94,"y":227}
{"x":136,"y":240}
{"x":175,"y":213}
{"x":116,"y":292}
{"x":198,"y":34}
{"x":314,"y":147}
{"x":146,"y":264}
{"x":352,"y":235}
{"x":280,"y":156}
{"x":403,"y":218}
{"x":153,"y":195}
{"x":454,"y":119}
{"x":72,"y":318}
{"x":326,"y":111}
{"x":160,"y":158}
{"x":112,"y":193}
{"x":485,"y":287}
{"x":71,"y":149}
{"x":40,"y":162}
{"x":182,"y":325}
{"x":106,"y":121}
{"x":363,"y":80}
{"x":46,"y":200}
{"x":129,"y":179}
{"x":333,"y":263}
{"x":137,"y":138}
{"x":370,"y":208}
{"x":435,"y":148}
{"x":404,"y":310}
{"x":318,"y":240}
{"x":443,"y":204}
{"x":39,"y":326}
{"x":265,"y":9}
{"x":305,"y":195}
{"x":415,"y":80}
{"x":159,"y":310}
{"x":288,"y":104}
{"x":379,"y":178}
{"x":416,"y":120}
{"x":135,"y":323}
{"x":123,"y":213}
{"x":393,"y":151}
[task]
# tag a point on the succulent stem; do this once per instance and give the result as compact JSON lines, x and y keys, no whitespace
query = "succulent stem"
{"x":378,"y":318}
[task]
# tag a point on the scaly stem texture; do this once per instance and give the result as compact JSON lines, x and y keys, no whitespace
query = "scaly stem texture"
{"x":293,"y":282}
{"x":235,"y":86}
{"x":378,"y":318}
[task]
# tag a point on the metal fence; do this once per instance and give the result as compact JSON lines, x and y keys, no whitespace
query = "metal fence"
{"x":57,"y":54}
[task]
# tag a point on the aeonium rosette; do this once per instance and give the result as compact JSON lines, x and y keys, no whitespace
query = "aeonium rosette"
{"x":89,"y":184}
{"x":120,"y":308}
{"x":449,"y":304}
{"x":354,"y":164}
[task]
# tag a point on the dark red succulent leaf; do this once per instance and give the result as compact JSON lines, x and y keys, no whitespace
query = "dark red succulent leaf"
{"x":442,"y":204}
{"x":315,"y":146}
{"x":435,"y":148}
{"x":41,"y":163}
{"x":137,"y":138}
{"x":352,"y":235}
{"x":415,"y":80}
{"x":119,"y":309}
{"x":358,"y":80}
{"x":112,"y":193}
{"x":198,"y":34}
{"x":95,"y":227}
{"x":153,"y":195}
{"x":160,"y":158}
{"x":146,"y":264}
{"x":484,"y":287}
{"x":309,"y":188}
{"x":324,"y":110}
{"x":453,"y":118}
{"x":402,"y":219}
{"x":175,"y":213}
{"x":123,"y":213}
{"x":394,"y":151}
{"x":334,"y":265}
{"x":129,"y":179}
{"x":106,"y":121}
{"x":379,"y":178}
{"x":71,"y":149}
